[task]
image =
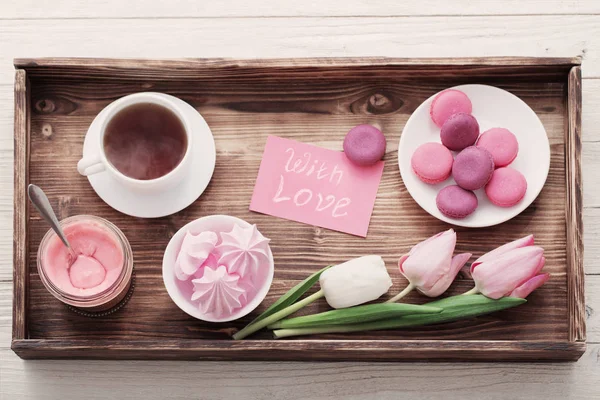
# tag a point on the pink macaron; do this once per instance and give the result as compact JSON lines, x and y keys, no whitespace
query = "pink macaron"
{"x":432,"y":162}
{"x":473,"y":168}
{"x":447,"y":103}
{"x":364,"y":145}
{"x":459,"y":131}
{"x":507,"y":187}
{"x":456,"y":202}
{"x":502,"y":143}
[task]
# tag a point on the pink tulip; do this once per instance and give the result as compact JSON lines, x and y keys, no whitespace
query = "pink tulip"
{"x":430,"y":267}
{"x":510,"y":270}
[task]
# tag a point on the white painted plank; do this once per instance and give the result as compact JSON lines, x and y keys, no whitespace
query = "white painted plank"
{"x":305,"y":37}
{"x":590,"y":110}
{"x":590,"y":163}
{"x":592,"y":304}
{"x":74,"y":379}
{"x":591,"y":138}
{"x":287,"y":8}
{"x":124,"y":380}
{"x":6,"y":182}
{"x":591,"y":238}
{"x":315,"y":381}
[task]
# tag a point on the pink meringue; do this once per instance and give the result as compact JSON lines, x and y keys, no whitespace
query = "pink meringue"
{"x":194,"y":252}
{"x":203,"y":266}
{"x":218,"y":292}
{"x":242,"y":249}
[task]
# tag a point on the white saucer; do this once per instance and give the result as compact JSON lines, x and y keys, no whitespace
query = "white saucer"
{"x":122,"y":199}
{"x":493,"y":107}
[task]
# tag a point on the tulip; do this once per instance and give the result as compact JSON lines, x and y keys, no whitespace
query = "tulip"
{"x":429,"y":266}
{"x":510,"y":270}
{"x":355,"y":282}
{"x":344,"y":285}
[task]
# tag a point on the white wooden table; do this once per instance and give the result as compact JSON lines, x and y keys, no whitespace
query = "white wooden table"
{"x":281,"y":28}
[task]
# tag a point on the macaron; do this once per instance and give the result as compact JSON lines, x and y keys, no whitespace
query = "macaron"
{"x":459,"y":131}
{"x":502,"y":143}
{"x":447,"y":103}
{"x":432,"y":162}
{"x":507,"y":187}
{"x":473,"y":168}
{"x":456,"y":202}
{"x":364,"y":145}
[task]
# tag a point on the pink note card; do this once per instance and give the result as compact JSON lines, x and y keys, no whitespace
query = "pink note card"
{"x":316,"y":186}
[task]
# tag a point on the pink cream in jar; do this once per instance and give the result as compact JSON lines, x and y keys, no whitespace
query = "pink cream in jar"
{"x":99,"y":278}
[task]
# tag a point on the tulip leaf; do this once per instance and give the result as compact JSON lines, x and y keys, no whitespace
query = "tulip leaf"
{"x":454,"y":308}
{"x":355,"y":315}
{"x":291,"y":296}
{"x":462,"y":307}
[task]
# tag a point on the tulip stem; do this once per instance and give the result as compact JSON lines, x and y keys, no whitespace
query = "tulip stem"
{"x":403,"y":293}
{"x":271,"y":319}
{"x":453,"y":309}
{"x":472,"y":291}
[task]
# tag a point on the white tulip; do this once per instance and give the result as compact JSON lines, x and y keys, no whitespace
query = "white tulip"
{"x":355,"y":282}
{"x":345,"y":285}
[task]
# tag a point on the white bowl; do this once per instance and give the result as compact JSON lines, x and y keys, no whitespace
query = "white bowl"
{"x":493,"y":107}
{"x":218,"y":223}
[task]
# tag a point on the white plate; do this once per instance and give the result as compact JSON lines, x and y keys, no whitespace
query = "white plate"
{"x":493,"y":107}
{"x":158,"y":205}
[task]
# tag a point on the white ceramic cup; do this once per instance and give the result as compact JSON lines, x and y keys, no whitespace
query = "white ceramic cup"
{"x":94,"y":163}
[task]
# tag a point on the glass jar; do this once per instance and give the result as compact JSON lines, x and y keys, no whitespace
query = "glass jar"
{"x":97,"y":240}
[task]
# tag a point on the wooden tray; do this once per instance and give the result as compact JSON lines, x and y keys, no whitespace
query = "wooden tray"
{"x":315,"y":101}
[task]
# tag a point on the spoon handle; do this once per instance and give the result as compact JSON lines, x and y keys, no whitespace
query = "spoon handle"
{"x":42,"y":204}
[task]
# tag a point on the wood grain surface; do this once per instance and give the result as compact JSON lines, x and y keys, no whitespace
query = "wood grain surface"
{"x":20,"y":222}
{"x":575,"y":274}
{"x":292,"y":69}
{"x":136,"y":9}
{"x":313,"y":101}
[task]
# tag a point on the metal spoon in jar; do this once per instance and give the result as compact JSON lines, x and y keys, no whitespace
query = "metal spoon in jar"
{"x":41,"y":202}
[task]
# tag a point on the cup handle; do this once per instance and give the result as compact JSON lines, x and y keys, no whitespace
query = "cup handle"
{"x":90,"y":165}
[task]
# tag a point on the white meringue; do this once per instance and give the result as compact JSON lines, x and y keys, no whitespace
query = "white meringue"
{"x":242,"y":249}
{"x":218,"y":292}
{"x":195,"y":249}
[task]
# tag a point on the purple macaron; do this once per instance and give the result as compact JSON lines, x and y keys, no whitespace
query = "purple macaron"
{"x":473,"y":168}
{"x":364,"y":145}
{"x":459,"y":131}
{"x":456,"y":202}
